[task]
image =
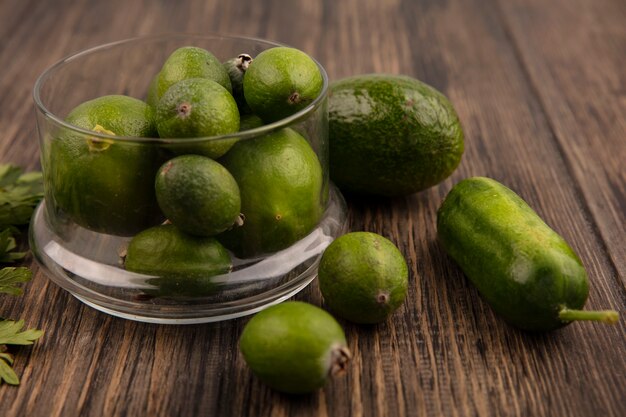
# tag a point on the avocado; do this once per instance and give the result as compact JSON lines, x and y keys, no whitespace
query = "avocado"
{"x":391,"y":135}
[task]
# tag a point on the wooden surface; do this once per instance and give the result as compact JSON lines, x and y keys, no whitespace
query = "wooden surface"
{"x":540,"y":89}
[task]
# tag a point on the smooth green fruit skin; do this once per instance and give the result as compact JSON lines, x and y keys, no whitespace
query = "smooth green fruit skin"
{"x":213,"y":112}
{"x":280,"y":180}
{"x":391,"y":135}
{"x":363,"y":277}
{"x":152,"y":96}
{"x":183,"y":263}
{"x":521,"y":267}
{"x":106,"y":187}
{"x":198,"y":195}
{"x":191,"y":62}
{"x":289,"y":346}
{"x":274,"y":76}
{"x":123,"y":115}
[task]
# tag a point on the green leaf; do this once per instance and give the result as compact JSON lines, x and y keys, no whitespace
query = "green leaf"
{"x":9,"y":276}
{"x":7,"y":244}
{"x":19,"y":195}
{"x":7,"y":374}
{"x":11,"y":333}
{"x":9,"y":174}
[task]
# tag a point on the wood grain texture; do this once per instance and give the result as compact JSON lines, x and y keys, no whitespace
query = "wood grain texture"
{"x":539,"y":89}
{"x":585,"y":99}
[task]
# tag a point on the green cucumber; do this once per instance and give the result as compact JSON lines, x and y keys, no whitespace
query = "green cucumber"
{"x":527,"y":272}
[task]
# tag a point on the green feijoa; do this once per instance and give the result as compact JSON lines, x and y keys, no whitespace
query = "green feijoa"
{"x":152,"y":96}
{"x":115,"y":114}
{"x":236,"y":68}
{"x":191,"y":62}
{"x":249,"y":121}
{"x":183,"y":264}
{"x":102,"y":184}
{"x":363,"y":277}
{"x":390,"y":135}
{"x":294,"y":347}
{"x":280,"y":180}
{"x":527,"y":273}
{"x":198,"y":195}
{"x":280,"y":82}
{"x":198,"y":107}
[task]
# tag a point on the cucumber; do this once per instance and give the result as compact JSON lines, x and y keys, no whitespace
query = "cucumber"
{"x":526,"y":272}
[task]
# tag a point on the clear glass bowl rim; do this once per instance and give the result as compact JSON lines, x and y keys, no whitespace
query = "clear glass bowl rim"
{"x":246,"y":134}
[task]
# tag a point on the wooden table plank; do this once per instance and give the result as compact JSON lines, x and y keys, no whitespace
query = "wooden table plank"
{"x":444,"y":352}
{"x":583,"y":97}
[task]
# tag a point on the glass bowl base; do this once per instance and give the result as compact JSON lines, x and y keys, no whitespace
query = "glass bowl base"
{"x":88,"y":266}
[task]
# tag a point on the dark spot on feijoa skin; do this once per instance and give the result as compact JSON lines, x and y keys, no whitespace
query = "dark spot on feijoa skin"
{"x":184,"y":110}
{"x":382,"y":298}
{"x":294,"y":98}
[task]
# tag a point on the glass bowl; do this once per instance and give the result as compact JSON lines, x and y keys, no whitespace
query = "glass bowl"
{"x":83,"y":250}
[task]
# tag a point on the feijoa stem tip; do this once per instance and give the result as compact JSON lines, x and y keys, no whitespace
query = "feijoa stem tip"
{"x":243,"y":62}
{"x":340,"y":358}
{"x":604,"y":316}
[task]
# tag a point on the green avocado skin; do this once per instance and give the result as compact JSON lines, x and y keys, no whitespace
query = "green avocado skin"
{"x":391,"y":135}
{"x":521,"y":267}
